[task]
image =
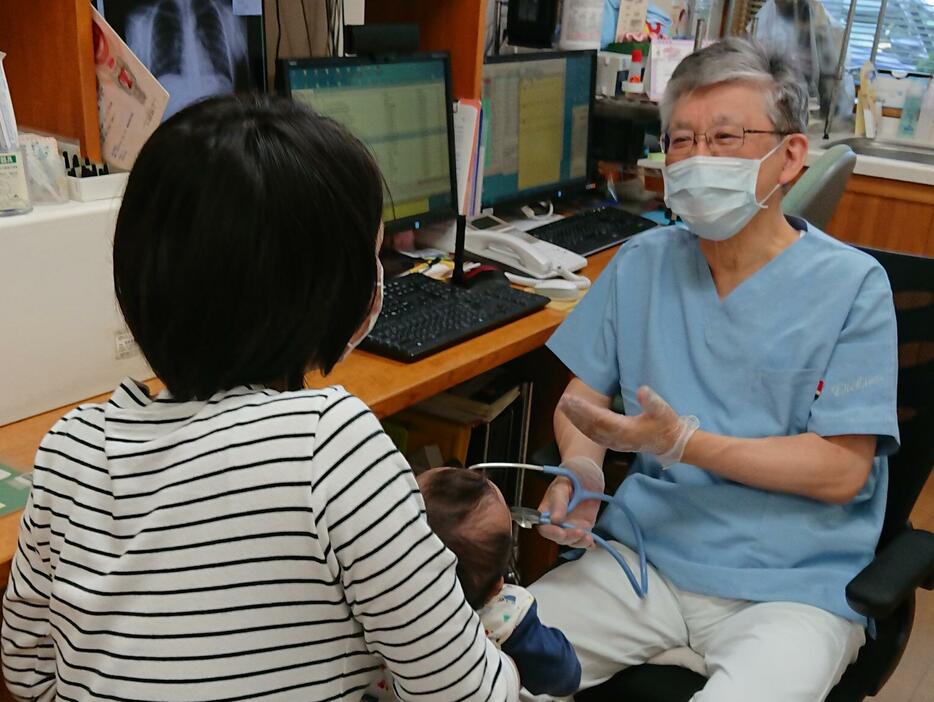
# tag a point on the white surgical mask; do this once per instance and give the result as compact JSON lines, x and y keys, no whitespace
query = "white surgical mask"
{"x":715,"y":195}
{"x":376,"y":308}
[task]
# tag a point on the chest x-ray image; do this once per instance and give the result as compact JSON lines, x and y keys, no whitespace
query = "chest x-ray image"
{"x":194,"y":48}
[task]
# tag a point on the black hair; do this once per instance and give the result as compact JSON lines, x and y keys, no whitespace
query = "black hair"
{"x":245,"y":247}
{"x":483,"y":551}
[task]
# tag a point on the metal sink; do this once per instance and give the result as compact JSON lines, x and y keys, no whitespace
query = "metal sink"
{"x":881,"y":148}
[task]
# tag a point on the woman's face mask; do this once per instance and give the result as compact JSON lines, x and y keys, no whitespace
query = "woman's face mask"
{"x":375,"y":309}
{"x":715,"y":195}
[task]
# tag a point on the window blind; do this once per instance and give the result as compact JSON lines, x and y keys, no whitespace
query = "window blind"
{"x":907,"y":41}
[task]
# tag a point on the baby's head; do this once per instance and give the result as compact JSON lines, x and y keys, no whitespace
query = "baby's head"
{"x":469,"y":514}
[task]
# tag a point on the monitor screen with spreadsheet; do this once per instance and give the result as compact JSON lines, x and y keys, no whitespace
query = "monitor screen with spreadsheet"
{"x":400,"y":107}
{"x":537,"y":111}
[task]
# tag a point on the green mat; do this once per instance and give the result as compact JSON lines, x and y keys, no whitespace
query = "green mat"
{"x":14,"y":489}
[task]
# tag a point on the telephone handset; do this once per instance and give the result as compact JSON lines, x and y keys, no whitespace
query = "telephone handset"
{"x":514,"y":250}
{"x":495,"y":240}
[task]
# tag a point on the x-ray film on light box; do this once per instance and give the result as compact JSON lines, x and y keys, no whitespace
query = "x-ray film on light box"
{"x":194,"y":48}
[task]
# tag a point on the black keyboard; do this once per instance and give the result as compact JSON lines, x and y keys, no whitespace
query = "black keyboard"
{"x":590,"y":231}
{"x":421,"y":315}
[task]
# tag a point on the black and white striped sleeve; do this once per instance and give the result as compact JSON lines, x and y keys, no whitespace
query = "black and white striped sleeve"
{"x":28,"y":653}
{"x":399,"y":578}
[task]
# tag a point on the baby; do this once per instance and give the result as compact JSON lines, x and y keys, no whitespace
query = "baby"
{"x":469,"y":514}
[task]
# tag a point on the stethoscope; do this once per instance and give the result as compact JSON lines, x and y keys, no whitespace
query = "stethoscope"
{"x":527,"y":518}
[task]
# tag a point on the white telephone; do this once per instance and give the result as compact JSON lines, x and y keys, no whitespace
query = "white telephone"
{"x":491,"y":238}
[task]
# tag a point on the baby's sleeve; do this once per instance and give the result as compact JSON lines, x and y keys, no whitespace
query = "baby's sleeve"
{"x":545,"y":658}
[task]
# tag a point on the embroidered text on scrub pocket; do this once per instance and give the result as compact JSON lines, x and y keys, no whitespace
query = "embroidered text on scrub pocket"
{"x":861,"y":383}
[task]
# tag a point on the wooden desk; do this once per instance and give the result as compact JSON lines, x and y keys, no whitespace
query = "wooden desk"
{"x":386,"y":386}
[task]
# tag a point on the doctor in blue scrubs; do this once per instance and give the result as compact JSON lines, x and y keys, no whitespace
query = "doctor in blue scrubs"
{"x":756,"y":358}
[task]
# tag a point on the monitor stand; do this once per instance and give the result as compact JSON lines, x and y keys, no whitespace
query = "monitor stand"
{"x":460,"y":233}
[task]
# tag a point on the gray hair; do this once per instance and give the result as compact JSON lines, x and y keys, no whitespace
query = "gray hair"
{"x":735,"y":59}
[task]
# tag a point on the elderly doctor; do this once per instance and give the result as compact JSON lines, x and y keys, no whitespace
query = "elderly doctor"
{"x":756,"y":358}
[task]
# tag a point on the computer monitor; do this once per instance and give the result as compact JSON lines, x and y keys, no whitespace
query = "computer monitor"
{"x":194,"y":48}
{"x":400,"y":107}
{"x":538,"y":108}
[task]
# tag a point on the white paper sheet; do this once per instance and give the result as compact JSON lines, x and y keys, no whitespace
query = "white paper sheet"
{"x":664,"y":57}
{"x":466,"y":151}
{"x":631,"y":20}
{"x":131,"y":101}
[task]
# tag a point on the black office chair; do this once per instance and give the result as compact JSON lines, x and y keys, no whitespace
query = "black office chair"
{"x":885,"y":589}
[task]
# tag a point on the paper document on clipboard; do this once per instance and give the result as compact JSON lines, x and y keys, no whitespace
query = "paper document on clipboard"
{"x":130,"y":100}
{"x":467,"y":125}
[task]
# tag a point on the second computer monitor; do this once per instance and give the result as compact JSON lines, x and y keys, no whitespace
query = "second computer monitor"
{"x":400,"y":107}
{"x":537,"y":112}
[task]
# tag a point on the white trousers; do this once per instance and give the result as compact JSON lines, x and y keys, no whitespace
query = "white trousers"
{"x":781,"y":651}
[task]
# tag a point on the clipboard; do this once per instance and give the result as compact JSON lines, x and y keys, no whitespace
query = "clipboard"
{"x":468,"y":119}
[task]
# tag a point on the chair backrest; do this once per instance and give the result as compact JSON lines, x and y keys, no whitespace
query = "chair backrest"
{"x":912,"y":280}
{"x":815,"y":195}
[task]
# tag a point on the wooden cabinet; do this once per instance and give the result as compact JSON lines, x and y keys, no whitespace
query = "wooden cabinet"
{"x":886,"y":214}
{"x":456,"y":26}
{"x":50,"y":54}
{"x":50,"y":68}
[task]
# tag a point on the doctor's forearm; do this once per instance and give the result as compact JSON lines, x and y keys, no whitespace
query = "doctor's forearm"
{"x":827,"y":469}
{"x":573,"y":443}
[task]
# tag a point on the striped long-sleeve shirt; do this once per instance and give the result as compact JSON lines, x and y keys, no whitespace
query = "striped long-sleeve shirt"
{"x":256,"y":546}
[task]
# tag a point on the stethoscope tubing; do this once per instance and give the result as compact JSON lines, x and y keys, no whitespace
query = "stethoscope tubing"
{"x":578,"y":495}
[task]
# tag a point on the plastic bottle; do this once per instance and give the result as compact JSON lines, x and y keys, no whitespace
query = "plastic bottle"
{"x":581,"y":24}
{"x":634,"y":81}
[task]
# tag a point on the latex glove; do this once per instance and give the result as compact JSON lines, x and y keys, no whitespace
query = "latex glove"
{"x":659,"y":430}
{"x":559,"y":495}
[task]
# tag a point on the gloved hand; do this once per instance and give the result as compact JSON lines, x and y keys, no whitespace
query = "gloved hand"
{"x":659,"y":430}
{"x":559,"y":495}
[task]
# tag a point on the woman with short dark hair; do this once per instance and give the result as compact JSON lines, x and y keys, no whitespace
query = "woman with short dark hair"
{"x":238,"y":537}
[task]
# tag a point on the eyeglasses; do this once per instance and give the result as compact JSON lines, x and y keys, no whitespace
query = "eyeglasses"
{"x":720,"y":140}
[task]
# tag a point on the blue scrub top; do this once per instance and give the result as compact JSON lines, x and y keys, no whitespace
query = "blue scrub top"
{"x":818,"y":314}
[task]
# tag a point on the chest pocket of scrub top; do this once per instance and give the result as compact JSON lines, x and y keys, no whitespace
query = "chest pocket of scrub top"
{"x":786,"y":395}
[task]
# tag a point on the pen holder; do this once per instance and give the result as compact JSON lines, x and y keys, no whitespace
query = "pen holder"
{"x":99,"y":187}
